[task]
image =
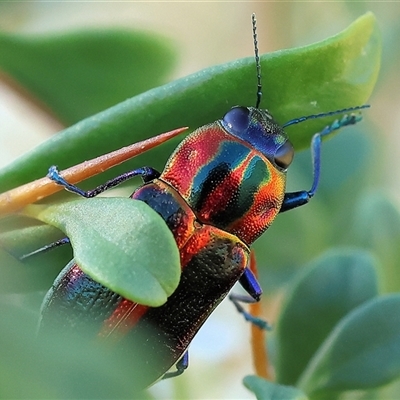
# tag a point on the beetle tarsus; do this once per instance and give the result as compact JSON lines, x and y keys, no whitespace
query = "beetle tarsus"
{"x":46,"y":248}
{"x":236,"y":299}
{"x":325,"y":114}
{"x":348,"y":119}
{"x":147,"y":173}
{"x":297,"y":199}
{"x":181,"y":366}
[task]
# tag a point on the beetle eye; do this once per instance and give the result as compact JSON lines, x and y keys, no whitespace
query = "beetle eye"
{"x":284,"y":155}
{"x":237,"y":119}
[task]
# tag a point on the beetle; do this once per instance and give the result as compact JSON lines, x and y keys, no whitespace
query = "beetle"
{"x":220,"y":190}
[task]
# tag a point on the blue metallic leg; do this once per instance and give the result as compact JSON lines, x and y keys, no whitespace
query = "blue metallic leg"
{"x":181,"y":366}
{"x":297,"y":199}
{"x":252,"y":287}
{"x":325,"y":114}
{"x":250,"y":284}
{"x":147,"y":174}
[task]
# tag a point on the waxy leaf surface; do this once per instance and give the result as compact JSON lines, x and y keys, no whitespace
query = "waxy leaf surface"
{"x":19,"y":236}
{"x":77,"y":74}
{"x":335,"y":73}
{"x":362,"y":352}
{"x":325,"y":292}
{"x":46,"y":367}
{"x":265,"y":390}
{"x":121,"y":243}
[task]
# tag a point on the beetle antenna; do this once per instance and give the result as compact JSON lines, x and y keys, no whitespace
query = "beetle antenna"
{"x":258,"y":66}
{"x":326,"y":114}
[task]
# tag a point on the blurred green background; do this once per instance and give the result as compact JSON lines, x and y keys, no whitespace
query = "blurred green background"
{"x":357,"y":204}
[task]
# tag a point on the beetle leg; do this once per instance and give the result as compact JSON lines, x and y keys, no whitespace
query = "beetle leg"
{"x":46,"y":248}
{"x":181,"y":365}
{"x":297,"y":199}
{"x":294,"y":199}
{"x":237,"y":299}
{"x":147,"y":174}
{"x":252,"y":287}
{"x":250,"y":284}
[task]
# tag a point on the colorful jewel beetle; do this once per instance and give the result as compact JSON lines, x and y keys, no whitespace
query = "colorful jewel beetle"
{"x":219,"y":191}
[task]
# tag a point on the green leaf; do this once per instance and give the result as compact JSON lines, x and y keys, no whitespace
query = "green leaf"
{"x":12,"y":266}
{"x":77,"y":74}
{"x":326,"y":291}
{"x":377,"y":227}
{"x":49,"y":368}
{"x":20,"y":235}
{"x":17,"y":277}
{"x":265,"y":390}
{"x":335,"y":73}
{"x":362,"y":352}
{"x":121,"y":243}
